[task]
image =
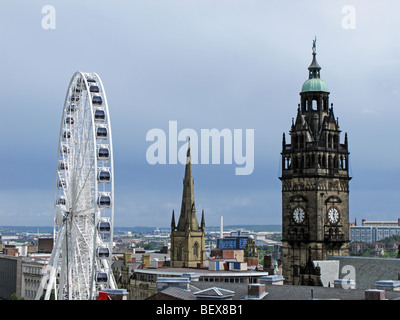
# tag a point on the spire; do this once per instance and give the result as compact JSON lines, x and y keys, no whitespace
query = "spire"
{"x":173,"y":226}
{"x":188,"y":157}
{"x":188,"y":219}
{"x":314,"y":68}
{"x":331,"y":114}
{"x":203,"y":221}
{"x":299,"y":122}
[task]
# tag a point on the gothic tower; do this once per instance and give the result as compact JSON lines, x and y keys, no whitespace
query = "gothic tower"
{"x":315,"y":181}
{"x":188,"y":237}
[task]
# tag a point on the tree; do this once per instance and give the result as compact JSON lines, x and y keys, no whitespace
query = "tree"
{"x":15,"y":297}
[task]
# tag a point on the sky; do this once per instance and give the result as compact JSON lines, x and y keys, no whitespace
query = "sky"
{"x":223,"y":64}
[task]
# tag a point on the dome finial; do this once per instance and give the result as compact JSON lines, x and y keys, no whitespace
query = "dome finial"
{"x":314,"y":82}
{"x":314,"y":47}
{"x":314,"y":68}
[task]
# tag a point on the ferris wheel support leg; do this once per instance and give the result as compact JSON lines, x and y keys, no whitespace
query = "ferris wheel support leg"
{"x":47,"y":271}
{"x":43,"y":283}
{"x":63,"y":267}
{"x":112,"y":282}
{"x":55,"y":290}
{"x":107,"y":267}
{"x":92,"y":275}
{"x":54,"y":267}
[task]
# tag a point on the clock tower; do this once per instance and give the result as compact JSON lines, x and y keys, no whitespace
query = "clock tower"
{"x":315,"y":181}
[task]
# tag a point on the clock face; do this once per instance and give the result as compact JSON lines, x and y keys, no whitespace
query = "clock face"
{"x":333,"y":215}
{"x":298,"y":215}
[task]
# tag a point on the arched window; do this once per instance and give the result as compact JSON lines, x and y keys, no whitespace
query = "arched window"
{"x":335,"y":141}
{"x":196,"y":249}
{"x":179,"y":251}
{"x":314,"y":105}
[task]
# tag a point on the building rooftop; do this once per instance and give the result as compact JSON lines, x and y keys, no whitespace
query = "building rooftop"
{"x":368,"y":270}
{"x":239,"y":291}
{"x":204,"y":272}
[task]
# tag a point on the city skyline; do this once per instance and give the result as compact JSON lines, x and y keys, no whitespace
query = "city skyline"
{"x":204,"y":64}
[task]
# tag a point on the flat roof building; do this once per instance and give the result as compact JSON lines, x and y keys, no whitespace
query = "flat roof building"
{"x":371,"y":233}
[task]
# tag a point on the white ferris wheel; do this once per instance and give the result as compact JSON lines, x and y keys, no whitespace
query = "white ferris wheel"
{"x":80,"y":263}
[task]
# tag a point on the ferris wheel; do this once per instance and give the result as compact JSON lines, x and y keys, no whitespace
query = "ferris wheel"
{"x":80,"y":263}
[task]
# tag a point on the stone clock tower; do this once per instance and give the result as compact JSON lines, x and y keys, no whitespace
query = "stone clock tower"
{"x":315,"y":182}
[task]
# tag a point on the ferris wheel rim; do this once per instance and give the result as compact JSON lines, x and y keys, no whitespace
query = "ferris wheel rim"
{"x":62,"y":128}
{"x":81,"y":204}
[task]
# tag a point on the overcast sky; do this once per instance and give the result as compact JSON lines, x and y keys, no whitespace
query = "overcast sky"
{"x":235,"y":64}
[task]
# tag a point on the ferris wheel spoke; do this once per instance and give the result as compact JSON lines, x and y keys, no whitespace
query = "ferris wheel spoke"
{"x":85,"y":211}
{"x":86,"y":237}
{"x":82,"y":156}
{"x":83,"y":185}
{"x":81,"y":141}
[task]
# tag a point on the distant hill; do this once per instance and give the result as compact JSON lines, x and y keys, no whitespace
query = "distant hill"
{"x":47,"y":229}
{"x":137,"y":229}
{"x":26,"y":229}
{"x":249,"y":227}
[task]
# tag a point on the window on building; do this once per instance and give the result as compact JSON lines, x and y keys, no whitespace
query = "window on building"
{"x":196,"y":249}
{"x":179,"y":251}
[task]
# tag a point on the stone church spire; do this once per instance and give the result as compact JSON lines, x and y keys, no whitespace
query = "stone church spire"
{"x":187,"y":238}
{"x":188,"y":219}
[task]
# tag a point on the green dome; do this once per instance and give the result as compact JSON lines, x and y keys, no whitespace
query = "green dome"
{"x":314,"y":84}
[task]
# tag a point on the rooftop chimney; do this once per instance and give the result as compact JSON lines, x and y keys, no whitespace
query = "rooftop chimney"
{"x":256,"y":291}
{"x":375,"y":294}
{"x":146,"y":262}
